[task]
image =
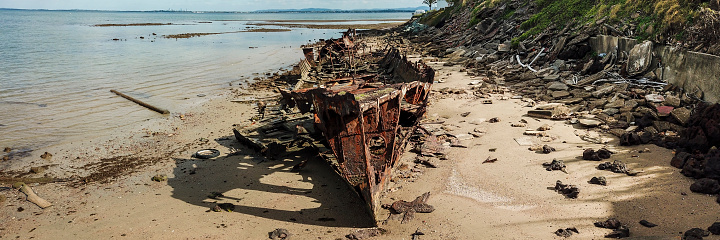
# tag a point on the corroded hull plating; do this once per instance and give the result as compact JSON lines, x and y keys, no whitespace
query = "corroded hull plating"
{"x":366,"y":128}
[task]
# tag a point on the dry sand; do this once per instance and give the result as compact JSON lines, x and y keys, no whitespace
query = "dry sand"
{"x":507,"y":199}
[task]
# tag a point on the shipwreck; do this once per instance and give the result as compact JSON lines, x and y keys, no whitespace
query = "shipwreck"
{"x":356,"y":110}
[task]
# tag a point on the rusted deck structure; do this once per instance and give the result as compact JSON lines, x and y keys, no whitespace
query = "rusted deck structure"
{"x":365,"y":121}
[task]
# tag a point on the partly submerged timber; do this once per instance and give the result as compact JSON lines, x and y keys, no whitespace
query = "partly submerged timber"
{"x":358,"y":118}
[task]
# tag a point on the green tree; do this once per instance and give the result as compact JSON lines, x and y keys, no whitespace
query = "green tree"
{"x":430,"y":3}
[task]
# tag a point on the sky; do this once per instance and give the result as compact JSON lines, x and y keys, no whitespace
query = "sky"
{"x":206,"y":5}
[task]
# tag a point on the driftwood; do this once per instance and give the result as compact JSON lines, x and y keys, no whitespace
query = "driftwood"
{"x":31,"y":196}
{"x":141,"y":103}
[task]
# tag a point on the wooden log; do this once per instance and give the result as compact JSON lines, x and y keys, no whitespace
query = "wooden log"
{"x":141,"y":103}
{"x":32,"y":197}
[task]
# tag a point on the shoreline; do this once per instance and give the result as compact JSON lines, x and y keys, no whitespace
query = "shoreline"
{"x":507,"y":199}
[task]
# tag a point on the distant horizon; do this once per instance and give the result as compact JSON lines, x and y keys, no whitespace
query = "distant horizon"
{"x":211,"y":5}
{"x":406,"y":9}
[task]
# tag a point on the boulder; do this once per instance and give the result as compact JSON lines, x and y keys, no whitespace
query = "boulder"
{"x":640,"y":58}
{"x":715,"y":228}
{"x":681,"y":115}
{"x":672,"y":101}
{"x":679,"y":159}
{"x":706,"y":186}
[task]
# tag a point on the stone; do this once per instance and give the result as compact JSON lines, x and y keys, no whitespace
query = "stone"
{"x":621,"y":232}
{"x":715,"y":228}
{"x":611,"y":111}
{"x":570,"y":191}
{"x":589,"y":122}
{"x":503,"y":47}
{"x":671,"y":100}
{"x":570,"y":101}
{"x":640,"y":58}
{"x":552,"y":77}
{"x":560,"y":94}
{"x":159,"y":178}
{"x":661,"y":126}
{"x":681,"y":115}
{"x":631,"y":103}
{"x":557,"y":86}
{"x":695,"y":234}
{"x":656,"y":98}
{"x":706,"y":186}
{"x":611,"y":223}
{"x":616,"y":104}
{"x":598,"y":181}
{"x":603,"y":91}
{"x":679,"y":160}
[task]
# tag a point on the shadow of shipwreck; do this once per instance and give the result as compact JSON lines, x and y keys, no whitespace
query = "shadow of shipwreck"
{"x":269,"y":189}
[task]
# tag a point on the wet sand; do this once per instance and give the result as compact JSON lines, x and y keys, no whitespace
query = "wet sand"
{"x":507,"y":199}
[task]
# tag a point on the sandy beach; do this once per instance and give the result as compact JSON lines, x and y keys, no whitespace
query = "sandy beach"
{"x":113,"y":196}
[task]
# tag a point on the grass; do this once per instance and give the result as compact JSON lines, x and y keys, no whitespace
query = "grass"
{"x":657,"y":17}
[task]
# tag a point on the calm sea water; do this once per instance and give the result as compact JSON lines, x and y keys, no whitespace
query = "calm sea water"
{"x":57,"y":69}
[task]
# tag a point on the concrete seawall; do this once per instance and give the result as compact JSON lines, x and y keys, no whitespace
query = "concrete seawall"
{"x":689,"y":70}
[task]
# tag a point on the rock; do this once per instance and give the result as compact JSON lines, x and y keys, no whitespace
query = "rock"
{"x":672,"y":101}
{"x":503,"y":47}
{"x":630,"y":139}
{"x":640,"y":58}
{"x":616,"y":166}
{"x":570,"y":191}
{"x":603,"y":91}
{"x":225,"y":207}
{"x":695,"y":234}
{"x":611,"y":223}
{"x":558,"y":86}
{"x":706,"y":186}
{"x":547,"y":149}
{"x":544,"y":127}
{"x":159,"y":178}
{"x":560,"y":94}
{"x":679,"y":160}
{"x":621,"y":232}
{"x":566,"y":232}
{"x":7,"y":150}
{"x":647,"y":224}
{"x":2,"y":198}
{"x":555,"y":165}
{"x":715,"y":228}
{"x":681,"y":115}
{"x":598,"y":181}
{"x":656,"y":98}
{"x":604,"y":153}
{"x":616,"y":104}
{"x":280,"y":234}
{"x":632,"y":103}
{"x":46,"y":156}
{"x":589,"y":122}
{"x":611,"y":111}
{"x":37,"y":170}
{"x":366,"y":233}
{"x":590,"y":154}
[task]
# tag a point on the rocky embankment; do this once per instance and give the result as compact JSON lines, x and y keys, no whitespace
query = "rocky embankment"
{"x":618,"y":93}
